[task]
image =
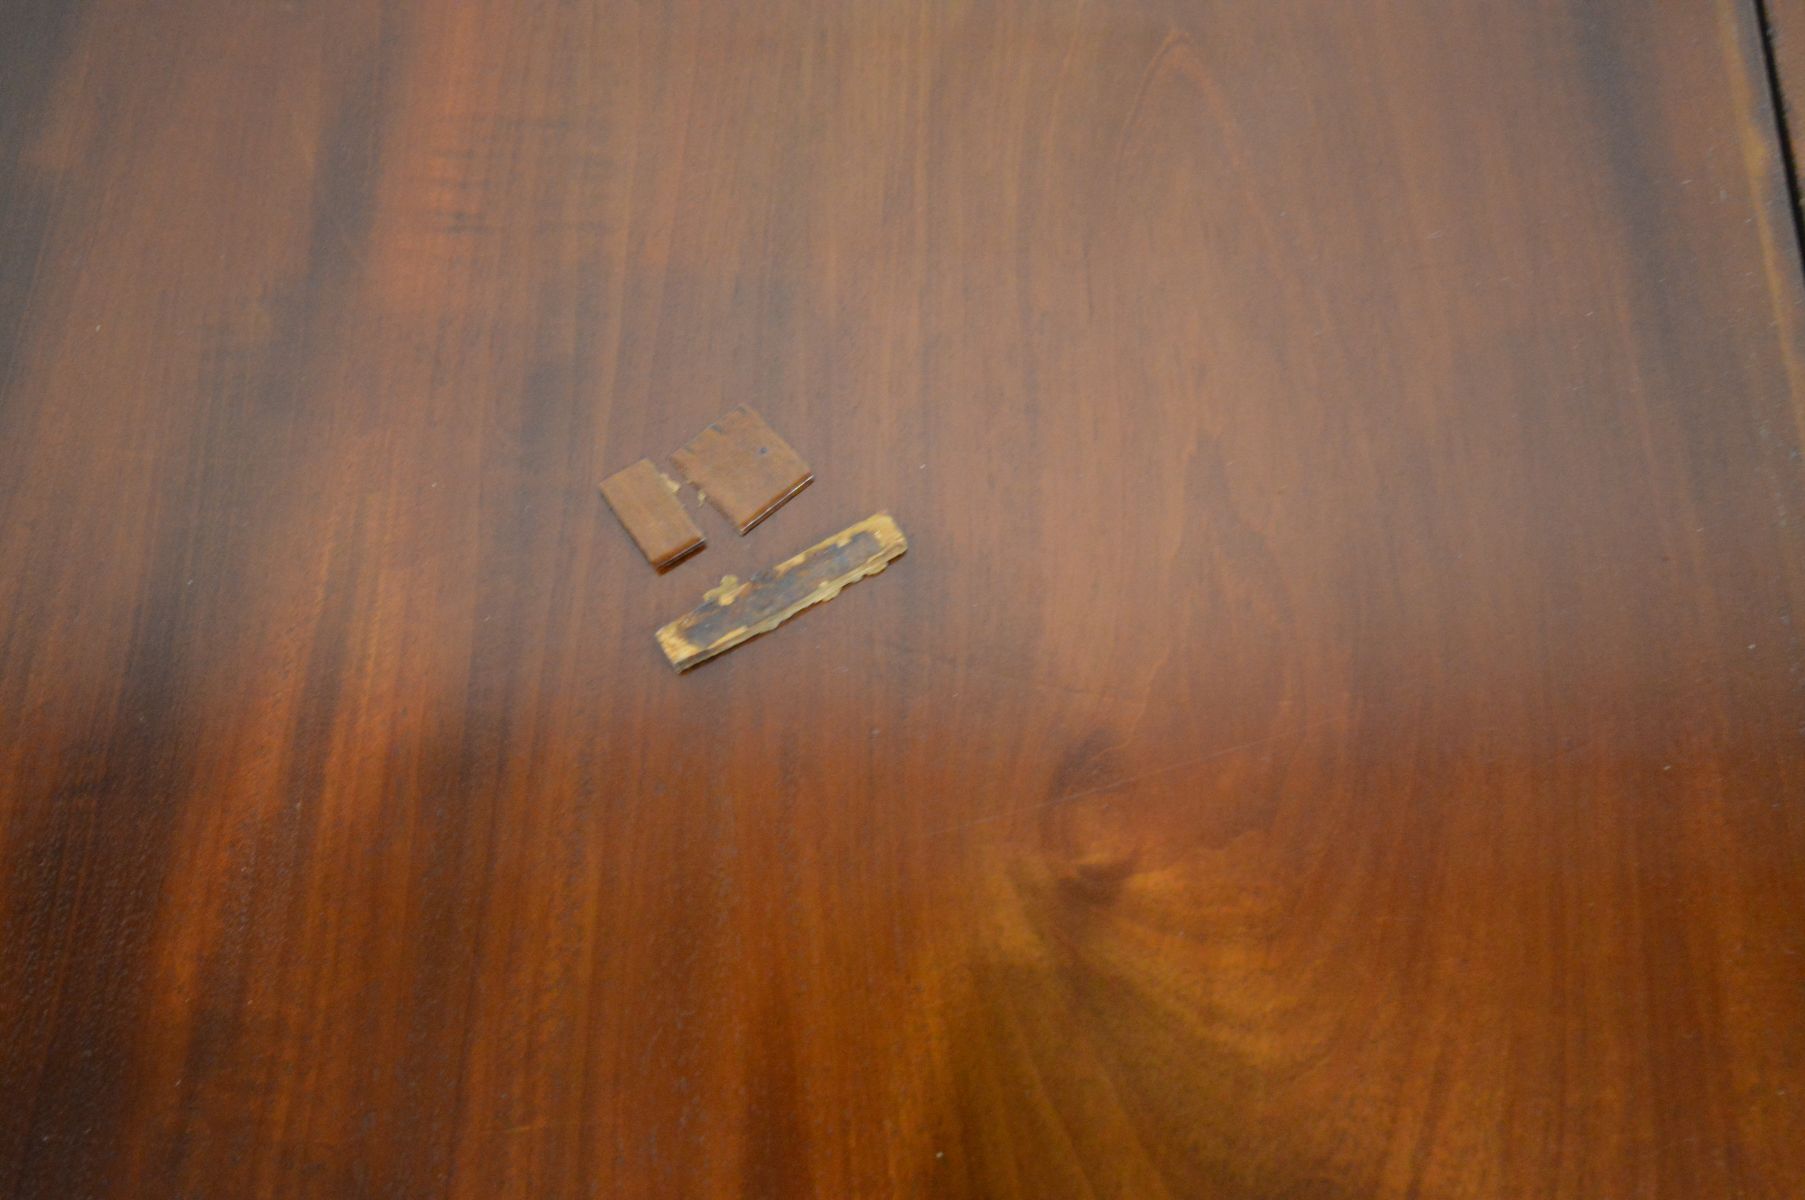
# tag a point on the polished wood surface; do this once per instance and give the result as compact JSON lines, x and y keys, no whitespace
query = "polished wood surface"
{"x":1337,"y":731}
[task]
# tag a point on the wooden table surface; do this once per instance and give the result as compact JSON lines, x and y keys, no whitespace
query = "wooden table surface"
{"x":1338,"y":732}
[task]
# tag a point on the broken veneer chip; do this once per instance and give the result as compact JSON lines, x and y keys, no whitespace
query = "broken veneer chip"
{"x":743,"y":467}
{"x":736,"y":612}
{"x":646,"y":503}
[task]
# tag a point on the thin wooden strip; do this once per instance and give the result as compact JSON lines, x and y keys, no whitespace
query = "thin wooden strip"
{"x":646,"y":503}
{"x":734,"y":612}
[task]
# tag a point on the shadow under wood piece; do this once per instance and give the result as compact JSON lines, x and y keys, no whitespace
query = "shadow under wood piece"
{"x":646,"y":503}
{"x":735,"y":612}
{"x":743,"y":467}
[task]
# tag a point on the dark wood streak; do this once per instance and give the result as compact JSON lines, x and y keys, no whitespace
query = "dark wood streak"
{"x":1336,"y":734}
{"x":1782,"y":30}
{"x":36,"y":44}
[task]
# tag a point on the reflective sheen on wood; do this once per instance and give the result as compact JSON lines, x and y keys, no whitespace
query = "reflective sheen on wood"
{"x":1338,"y":731}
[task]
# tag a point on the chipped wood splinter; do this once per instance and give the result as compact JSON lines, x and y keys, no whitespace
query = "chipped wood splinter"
{"x":735,"y":612}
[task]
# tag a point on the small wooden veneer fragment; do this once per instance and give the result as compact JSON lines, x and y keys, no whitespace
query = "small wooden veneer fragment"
{"x":646,"y":503}
{"x":743,"y":467}
{"x":735,"y":612}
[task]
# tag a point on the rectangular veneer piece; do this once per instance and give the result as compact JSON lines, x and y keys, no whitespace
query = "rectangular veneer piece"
{"x":743,"y":467}
{"x":646,"y":503}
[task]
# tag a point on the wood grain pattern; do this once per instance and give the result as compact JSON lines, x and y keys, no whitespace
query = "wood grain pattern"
{"x":1338,"y":733}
